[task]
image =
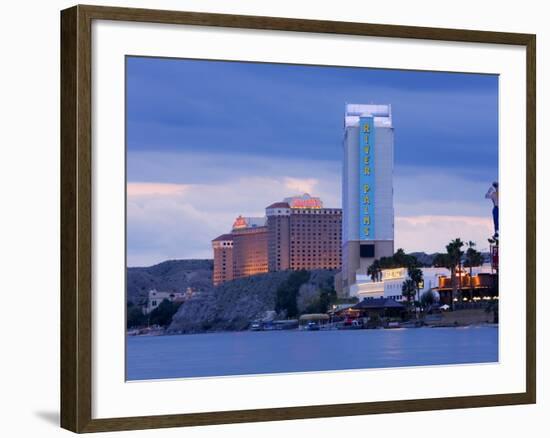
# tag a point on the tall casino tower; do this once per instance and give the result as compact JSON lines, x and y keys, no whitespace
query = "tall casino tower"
{"x":367,"y":189}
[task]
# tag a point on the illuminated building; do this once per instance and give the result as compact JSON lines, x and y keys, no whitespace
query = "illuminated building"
{"x":436,"y":279}
{"x":367,"y":190}
{"x":249,"y":251}
{"x":304,"y":235}
{"x":241,"y":253}
{"x":483,"y":286}
{"x":297,"y":233}
{"x":391,"y":283}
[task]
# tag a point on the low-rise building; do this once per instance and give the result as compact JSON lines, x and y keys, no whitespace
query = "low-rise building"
{"x":154,"y":298}
{"x":480,"y":287}
{"x":435,"y":279}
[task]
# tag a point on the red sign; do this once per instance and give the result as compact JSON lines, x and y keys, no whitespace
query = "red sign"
{"x":240,"y":222}
{"x":306,"y":203}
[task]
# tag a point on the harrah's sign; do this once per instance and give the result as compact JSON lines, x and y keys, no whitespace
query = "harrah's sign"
{"x":240,"y":222}
{"x":306,"y":203}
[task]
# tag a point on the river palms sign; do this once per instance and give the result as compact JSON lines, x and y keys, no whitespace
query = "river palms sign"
{"x":366,"y":178}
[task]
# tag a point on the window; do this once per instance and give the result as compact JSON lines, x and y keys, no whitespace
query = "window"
{"x":366,"y":250}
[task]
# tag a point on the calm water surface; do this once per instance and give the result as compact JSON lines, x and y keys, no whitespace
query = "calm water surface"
{"x":223,"y":354}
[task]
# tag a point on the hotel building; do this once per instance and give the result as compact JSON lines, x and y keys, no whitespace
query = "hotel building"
{"x":223,"y":259}
{"x":304,"y":235}
{"x":249,"y":247}
{"x":242,"y":252}
{"x":297,"y":233}
{"x":367,"y":190}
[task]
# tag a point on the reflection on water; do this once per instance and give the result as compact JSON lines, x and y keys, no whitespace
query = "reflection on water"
{"x":237,"y":353}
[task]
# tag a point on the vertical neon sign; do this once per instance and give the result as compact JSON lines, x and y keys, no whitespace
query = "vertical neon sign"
{"x":366,"y":178}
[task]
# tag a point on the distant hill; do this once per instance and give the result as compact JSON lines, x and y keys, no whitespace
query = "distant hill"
{"x":169,"y":276}
{"x":423,"y":258}
{"x":428,"y":259}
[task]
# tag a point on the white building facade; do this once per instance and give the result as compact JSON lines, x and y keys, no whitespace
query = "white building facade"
{"x":391,"y":285}
{"x":155,"y":297}
{"x":367,"y":190}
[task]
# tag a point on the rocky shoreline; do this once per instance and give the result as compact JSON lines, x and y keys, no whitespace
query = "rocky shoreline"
{"x":232,"y":305}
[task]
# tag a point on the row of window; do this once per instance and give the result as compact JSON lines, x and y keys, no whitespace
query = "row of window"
{"x":309,"y":258}
{"x":307,"y":238}
{"x":315,"y":231}
{"x":314,"y":224}
{"x":309,"y":243}
{"x":305,"y":212}
{"x":395,"y":297}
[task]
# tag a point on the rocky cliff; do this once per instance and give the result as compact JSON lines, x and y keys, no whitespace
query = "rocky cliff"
{"x":232,"y":305}
{"x":169,"y":276}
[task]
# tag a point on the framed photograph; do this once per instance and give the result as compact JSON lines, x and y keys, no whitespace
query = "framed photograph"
{"x":269,"y":218}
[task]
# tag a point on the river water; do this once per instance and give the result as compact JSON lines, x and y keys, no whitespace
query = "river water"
{"x":238,"y":353}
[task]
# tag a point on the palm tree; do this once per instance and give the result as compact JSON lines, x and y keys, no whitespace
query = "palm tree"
{"x":440,"y":260}
{"x":408,"y":289}
{"x":400,"y":258}
{"x":375,"y":271}
{"x":415,"y":274}
{"x":428,"y":298}
{"x":473,"y":259}
{"x":454,"y":257}
{"x":387,"y":263}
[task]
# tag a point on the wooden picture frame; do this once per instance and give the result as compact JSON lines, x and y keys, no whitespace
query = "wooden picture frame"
{"x":76,"y":217}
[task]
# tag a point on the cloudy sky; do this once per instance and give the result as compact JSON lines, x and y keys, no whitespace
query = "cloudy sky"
{"x":209,"y":140}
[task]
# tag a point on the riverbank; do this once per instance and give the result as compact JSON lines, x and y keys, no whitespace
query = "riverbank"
{"x":458,"y":318}
{"x":466,"y":317}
